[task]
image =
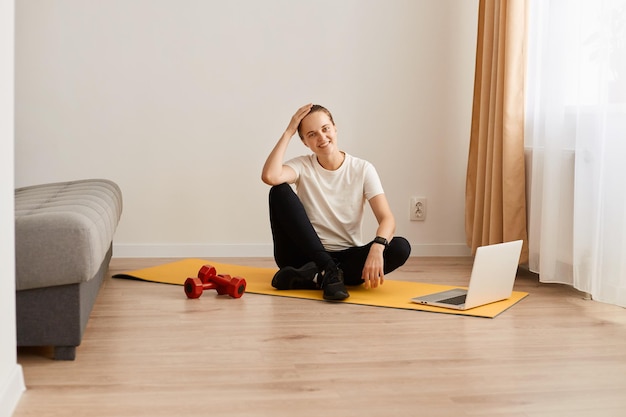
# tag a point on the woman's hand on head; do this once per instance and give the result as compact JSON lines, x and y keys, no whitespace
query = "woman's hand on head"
{"x":274,"y":170}
{"x":292,"y":129}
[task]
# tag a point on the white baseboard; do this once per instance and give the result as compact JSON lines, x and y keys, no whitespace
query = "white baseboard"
{"x":11,"y":391}
{"x":190,"y":251}
{"x":124,"y":250}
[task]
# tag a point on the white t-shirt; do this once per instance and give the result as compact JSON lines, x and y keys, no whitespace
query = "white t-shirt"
{"x":334,"y":200}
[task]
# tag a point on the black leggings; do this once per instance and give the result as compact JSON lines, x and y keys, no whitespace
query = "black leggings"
{"x":296,"y":242}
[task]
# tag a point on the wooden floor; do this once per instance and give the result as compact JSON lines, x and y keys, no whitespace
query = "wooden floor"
{"x":148,"y":351}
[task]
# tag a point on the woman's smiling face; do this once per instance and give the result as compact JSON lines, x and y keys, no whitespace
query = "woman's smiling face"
{"x":319,"y":133}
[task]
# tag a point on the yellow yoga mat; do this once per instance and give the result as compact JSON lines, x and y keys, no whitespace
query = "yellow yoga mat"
{"x":393,"y":294}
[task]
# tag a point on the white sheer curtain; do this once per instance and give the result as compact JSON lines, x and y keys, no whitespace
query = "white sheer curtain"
{"x":576,"y":145}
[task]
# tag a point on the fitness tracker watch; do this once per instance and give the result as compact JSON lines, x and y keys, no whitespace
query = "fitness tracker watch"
{"x":381,"y":240}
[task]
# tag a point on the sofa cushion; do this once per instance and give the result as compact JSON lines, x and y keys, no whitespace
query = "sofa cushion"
{"x":63,"y":231}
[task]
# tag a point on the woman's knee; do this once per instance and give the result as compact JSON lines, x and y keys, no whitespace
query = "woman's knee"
{"x":280,"y":191}
{"x":398,"y":252}
{"x":401,"y":246}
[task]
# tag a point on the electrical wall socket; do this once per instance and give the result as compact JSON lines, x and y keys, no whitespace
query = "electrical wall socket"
{"x":417,"y":209}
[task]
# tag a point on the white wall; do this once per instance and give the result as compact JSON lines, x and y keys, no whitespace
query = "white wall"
{"x":11,"y":376}
{"x":181,"y":101}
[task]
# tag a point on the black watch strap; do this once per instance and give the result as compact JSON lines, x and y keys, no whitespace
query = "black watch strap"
{"x":381,"y":240}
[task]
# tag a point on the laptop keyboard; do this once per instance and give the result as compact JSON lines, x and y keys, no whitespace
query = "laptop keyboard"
{"x":458,"y":300}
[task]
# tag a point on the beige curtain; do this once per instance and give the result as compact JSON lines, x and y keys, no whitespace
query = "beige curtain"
{"x":495,"y":200}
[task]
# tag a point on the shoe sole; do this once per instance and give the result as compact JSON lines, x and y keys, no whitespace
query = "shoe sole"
{"x":335,"y":298}
{"x":305,"y":272}
{"x":338,"y":295}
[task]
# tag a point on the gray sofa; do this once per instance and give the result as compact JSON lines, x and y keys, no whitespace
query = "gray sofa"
{"x":63,"y":244}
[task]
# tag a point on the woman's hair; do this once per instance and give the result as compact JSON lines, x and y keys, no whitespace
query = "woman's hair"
{"x":315,"y":108}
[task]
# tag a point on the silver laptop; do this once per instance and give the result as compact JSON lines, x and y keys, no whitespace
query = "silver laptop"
{"x":492,"y":279}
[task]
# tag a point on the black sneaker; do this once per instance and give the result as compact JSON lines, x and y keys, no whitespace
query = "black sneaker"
{"x":332,"y":284}
{"x":290,"y":278}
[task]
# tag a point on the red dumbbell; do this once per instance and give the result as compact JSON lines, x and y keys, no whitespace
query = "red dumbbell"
{"x":205,"y":272}
{"x":208,"y":279}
